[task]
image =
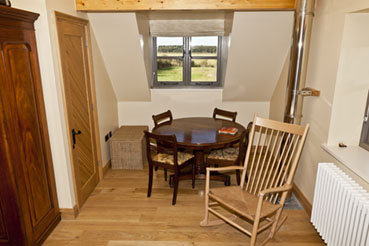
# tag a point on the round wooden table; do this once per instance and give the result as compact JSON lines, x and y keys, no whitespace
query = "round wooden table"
{"x":200,"y":135}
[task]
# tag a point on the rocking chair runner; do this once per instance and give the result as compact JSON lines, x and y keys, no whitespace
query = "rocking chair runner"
{"x":273,"y":152}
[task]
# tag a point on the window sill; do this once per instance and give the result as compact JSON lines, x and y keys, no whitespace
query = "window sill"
{"x":353,"y":157}
{"x":214,"y":89}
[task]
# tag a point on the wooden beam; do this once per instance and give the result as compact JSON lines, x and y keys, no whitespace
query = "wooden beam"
{"x":142,"y":5}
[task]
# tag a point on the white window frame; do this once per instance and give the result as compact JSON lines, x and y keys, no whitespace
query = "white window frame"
{"x":186,"y":59}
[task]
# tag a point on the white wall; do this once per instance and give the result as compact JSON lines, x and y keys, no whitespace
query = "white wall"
{"x":187,"y":103}
{"x":118,"y":38}
{"x":258,"y":47}
{"x":46,"y":36}
{"x":107,"y":103}
{"x":352,"y":83}
{"x":278,"y":100}
{"x":248,"y":87}
{"x":53,"y":103}
{"x":322,"y":74}
{"x":259,"y":44}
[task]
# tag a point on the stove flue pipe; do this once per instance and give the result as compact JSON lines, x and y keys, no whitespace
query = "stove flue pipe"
{"x":298,"y":61}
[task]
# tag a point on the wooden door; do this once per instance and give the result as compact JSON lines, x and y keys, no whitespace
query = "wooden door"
{"x":74,"y":53}
{"x":28,"y":203}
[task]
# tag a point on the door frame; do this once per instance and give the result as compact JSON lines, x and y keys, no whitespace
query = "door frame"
{"x":97,"y":148}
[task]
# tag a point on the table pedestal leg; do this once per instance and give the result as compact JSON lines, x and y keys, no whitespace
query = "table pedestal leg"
{"x":200,"y":165}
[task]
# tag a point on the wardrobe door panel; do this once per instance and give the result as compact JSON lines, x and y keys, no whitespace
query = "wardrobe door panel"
{"x":10,"y":228}
{"x":3,"y":231}
{"x":18,"y":65}
{"x":24,"y":134}
{"x":11,"y":232}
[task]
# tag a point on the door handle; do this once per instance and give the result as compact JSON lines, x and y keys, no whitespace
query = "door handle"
{"x":74,"y":134}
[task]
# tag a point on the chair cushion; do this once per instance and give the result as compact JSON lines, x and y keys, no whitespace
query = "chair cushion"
{"x":182,"y":157}
{"x":229,"y":154}
{"x":241,"y":202}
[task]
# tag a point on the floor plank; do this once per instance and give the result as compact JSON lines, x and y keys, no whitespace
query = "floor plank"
{"x":119,"y":213}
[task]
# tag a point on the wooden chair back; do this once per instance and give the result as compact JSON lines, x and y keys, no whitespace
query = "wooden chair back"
{"x":165,"y":116}
{"x":245,"y":142}
{"x":273,"y":152}
{"x":167,"y":143}
{"x":224,"y":113}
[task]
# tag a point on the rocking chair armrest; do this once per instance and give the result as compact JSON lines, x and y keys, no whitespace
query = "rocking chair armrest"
{"x":212,"y":169}
{"x":285,"y":187}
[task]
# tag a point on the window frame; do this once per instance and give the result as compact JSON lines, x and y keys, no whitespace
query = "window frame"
{"x":364,"y":137}
{"x":186,"y":59}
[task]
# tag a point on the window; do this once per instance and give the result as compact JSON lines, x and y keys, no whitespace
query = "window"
{"x":364,"y":139}
{"x":187,"y":61}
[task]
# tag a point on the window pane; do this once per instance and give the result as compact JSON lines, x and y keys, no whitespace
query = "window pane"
{"x":204,"y":46}
{"x":169,"y":46}
{"x":203,"y":70}
{"x":170,"y":70}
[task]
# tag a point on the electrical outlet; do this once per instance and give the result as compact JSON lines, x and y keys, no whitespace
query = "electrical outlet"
{"x":106,"y":137}
{"x":110,"y":134}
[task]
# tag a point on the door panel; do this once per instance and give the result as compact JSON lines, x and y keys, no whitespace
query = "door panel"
{"x":34,"y":166}
{"x":28,"y":203}
{"x":26,"y":132}
{"x":10,"y":227}
{"x":77,"y":86}
{"x":3,"y":231}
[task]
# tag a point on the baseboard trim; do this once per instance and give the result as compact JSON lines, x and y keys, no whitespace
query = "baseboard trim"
{"x":106,"y":167}
{"x":69,"y":213}
{"x":303,"y":200}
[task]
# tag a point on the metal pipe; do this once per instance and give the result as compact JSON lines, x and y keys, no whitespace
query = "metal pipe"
{"x":298,"y":60}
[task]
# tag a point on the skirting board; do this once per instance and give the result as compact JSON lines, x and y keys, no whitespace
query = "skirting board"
{"x":106,"y":167}
{"x":303,"y":200}
{"x":69,"y":213}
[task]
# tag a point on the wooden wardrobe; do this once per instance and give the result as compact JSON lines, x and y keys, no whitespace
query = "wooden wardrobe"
{"x":28,"y":203}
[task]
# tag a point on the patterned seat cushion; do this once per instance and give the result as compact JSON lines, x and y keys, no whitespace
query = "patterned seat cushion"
{"x":169,"y":159}
{"x":229,"y":154}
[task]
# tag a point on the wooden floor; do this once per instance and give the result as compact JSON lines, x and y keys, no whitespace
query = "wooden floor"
{"x":119,"y":213}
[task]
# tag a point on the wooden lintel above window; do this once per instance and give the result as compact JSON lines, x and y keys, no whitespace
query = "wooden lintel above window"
{"x":142,"y":5}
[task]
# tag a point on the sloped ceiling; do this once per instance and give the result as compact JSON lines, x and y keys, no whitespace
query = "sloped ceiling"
{"x":119,"y":41}
{"x":260,"y":42}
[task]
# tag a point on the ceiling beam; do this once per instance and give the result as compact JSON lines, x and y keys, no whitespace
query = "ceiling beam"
{"x":142,"y":5}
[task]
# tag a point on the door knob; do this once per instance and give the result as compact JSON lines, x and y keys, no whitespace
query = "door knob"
{"x":74,"y":134}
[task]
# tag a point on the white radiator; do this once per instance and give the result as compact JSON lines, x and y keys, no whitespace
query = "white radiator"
{"x":340,"y":208}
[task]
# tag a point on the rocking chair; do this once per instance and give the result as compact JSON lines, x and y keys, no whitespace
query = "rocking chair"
{"x":273,"y":152}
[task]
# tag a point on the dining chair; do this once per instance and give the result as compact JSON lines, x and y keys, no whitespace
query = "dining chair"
{"x":224,"y":113}
{"x":231,"y":156}
{"x":273,"y":152}
{"x":165,"y":116}
{"x":158,"y":119}
{"x":168,"y":157}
